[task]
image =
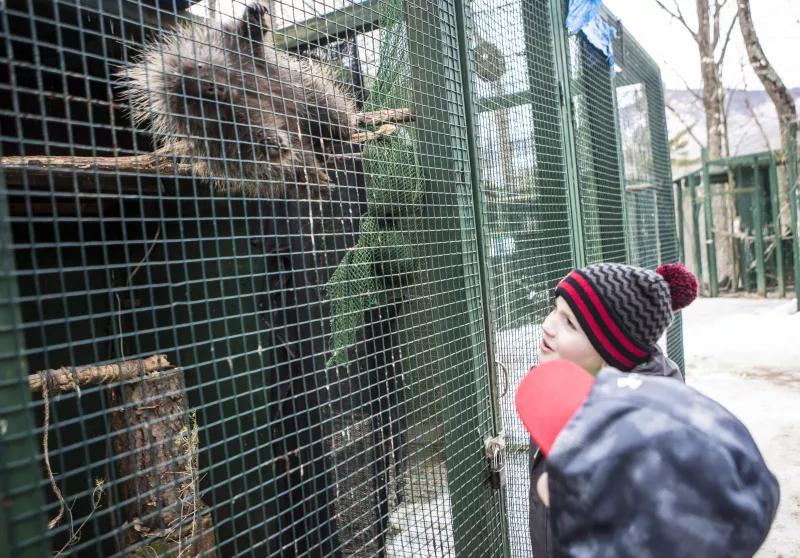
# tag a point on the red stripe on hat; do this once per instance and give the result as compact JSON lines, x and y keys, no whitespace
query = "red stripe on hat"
{"x":610,"y":323}
{"x":587,"y":315}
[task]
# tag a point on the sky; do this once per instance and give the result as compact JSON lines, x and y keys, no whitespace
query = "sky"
{"x":777,"y":24}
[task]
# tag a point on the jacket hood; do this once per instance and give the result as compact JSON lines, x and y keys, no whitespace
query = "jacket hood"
{"x":659,"y":365}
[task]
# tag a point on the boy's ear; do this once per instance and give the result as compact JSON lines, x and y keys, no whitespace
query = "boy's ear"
{"x":543,"y":489}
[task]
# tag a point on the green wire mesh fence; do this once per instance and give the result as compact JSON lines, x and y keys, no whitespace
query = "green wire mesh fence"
{"x":271,"y":271}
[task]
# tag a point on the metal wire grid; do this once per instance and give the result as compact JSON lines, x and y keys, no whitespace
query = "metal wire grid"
{"x":649,"y":195}
{"x":281,"y":453}
{"x":124,"y":265}
{"x":524,"y":174}
{"x":597,"y":152}
{"x":524,"y":168}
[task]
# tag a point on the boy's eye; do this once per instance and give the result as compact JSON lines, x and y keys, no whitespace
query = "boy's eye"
{"x":570,"y":324}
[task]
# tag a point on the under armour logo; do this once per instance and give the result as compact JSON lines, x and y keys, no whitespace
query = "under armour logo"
{"x":630,"y":381}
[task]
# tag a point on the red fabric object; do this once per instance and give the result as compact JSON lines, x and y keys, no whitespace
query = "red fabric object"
{"x":549,"y":396}
{"x":683,"y":285}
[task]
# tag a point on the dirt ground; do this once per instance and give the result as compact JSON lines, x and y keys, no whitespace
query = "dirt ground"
{"x":746,"y":355}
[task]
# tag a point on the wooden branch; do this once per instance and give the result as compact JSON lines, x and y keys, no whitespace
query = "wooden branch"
{"x":727,"y":40}
{"x":694,"y":93}
{"x":37,"y":165}
{"x":687,"y":126}
{"x":386,"y":116}
{"x":385,"y":130}
{"x":715,"y":25}
{"x":752,"y":110}
{"x":41,"y":169}
{"x":677,"y":16}
{"x":68,"y":378}
{"x":778,"y":93}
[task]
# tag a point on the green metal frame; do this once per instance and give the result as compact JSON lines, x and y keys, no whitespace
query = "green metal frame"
{"x":20,"y":493}
{"x":221,"y":313}
{"x":443,"y":154}
{"x":698,"y":257}
{"x":756,"y":164}
{"x":794,"y":199}
{"x":758,"y":226}
{"x":775,"y":204}
{"x":557,"y":17}
{"x":711,"y":245}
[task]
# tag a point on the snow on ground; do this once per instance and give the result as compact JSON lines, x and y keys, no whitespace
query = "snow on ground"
{"x":743,"y":353}
{"x":746,"y":355}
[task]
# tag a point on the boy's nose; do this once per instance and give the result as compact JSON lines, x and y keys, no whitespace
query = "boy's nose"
{"x":547,"y":327}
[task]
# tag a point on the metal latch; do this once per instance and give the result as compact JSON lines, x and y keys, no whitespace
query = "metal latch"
{"x":498,"y":474}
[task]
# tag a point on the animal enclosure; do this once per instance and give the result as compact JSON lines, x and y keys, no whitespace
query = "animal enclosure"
{"x":758,"y":252}
{"x":272,"y":271}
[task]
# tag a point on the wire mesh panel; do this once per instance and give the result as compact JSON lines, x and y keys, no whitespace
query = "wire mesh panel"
{"x":524,"y":175}
{"x":650,"y":208}
{"x":240,"y":293}
{"x":272,"y":271}
{"x":553,"y":116}
{"x":597,"y":154}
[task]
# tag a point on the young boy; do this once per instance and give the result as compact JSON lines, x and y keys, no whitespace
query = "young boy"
{"x":607,"y":315}
{"x":643,"y":466}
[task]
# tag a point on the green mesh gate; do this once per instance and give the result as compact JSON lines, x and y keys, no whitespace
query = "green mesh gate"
{"x":229,"y":328}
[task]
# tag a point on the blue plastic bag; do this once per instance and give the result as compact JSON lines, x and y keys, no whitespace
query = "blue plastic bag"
{"x":581,"y":12}
{"x":584,"y":16}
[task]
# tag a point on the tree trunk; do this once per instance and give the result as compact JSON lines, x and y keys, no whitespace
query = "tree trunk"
{"x":712,"y":103}
{"x":730,"y":199}
{"x":155,"y":447}
{"x":776,"y":89}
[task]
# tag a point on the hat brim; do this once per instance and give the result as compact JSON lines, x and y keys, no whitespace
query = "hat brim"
{"x":549,"y":396}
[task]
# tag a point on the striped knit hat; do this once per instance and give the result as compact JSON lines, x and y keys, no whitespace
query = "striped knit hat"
{"x":624,"y":310}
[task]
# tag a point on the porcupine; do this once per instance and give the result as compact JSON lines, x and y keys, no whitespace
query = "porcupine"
{"x":246,"y":114}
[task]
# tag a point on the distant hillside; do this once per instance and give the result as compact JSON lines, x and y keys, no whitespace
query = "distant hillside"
{"x":744,"y":134}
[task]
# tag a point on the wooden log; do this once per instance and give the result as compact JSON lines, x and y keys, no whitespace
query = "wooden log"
{"x":384,"y":130}
{"x":39,"y":169}
{"x":68,"y":378}
{"x":386,"y":116}
{"x":155,"y":443}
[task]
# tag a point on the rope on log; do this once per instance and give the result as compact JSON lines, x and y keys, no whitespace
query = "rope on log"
{"x":70,"y":378}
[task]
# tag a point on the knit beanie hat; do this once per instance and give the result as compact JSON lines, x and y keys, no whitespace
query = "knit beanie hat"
{"x":624,"y":310}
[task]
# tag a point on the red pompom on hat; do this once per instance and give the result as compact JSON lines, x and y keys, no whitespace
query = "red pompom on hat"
{"x":683,"y":285}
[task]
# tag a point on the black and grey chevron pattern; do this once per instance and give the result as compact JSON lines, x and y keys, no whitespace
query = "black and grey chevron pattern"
{"x":637,"y":299}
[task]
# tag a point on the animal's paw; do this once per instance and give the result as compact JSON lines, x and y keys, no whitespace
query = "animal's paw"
{"x":255,"y":12}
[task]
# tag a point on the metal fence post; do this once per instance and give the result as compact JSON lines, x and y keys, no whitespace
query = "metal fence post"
{"x":681,"y":233}
{"x":758,"y":226}
{"x":459,"y":331}
{"x":711,"y":245}
{"x":22,"y":523}
{"x":698,"y":256}
{"x":776,"y":222}
{"x":744,"y":245}
{"x":557,"y":17}
{"x":791,"y":164}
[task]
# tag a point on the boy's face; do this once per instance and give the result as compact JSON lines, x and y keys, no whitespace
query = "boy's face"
{"x":563,"y":338}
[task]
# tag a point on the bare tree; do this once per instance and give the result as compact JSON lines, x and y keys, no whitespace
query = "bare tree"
{"x":775,"y":88}
{"x":712,"y":40}
{"x":773,"y":84}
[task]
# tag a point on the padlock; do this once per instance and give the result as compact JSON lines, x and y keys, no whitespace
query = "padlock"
{"x":499,"y":475}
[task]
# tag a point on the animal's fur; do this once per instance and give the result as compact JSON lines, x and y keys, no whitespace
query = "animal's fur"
{"x":246,"y":114}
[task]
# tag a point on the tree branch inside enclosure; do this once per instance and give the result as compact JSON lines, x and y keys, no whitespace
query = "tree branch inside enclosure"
{"x":70,"y":379}
{"x":164,"y":162}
